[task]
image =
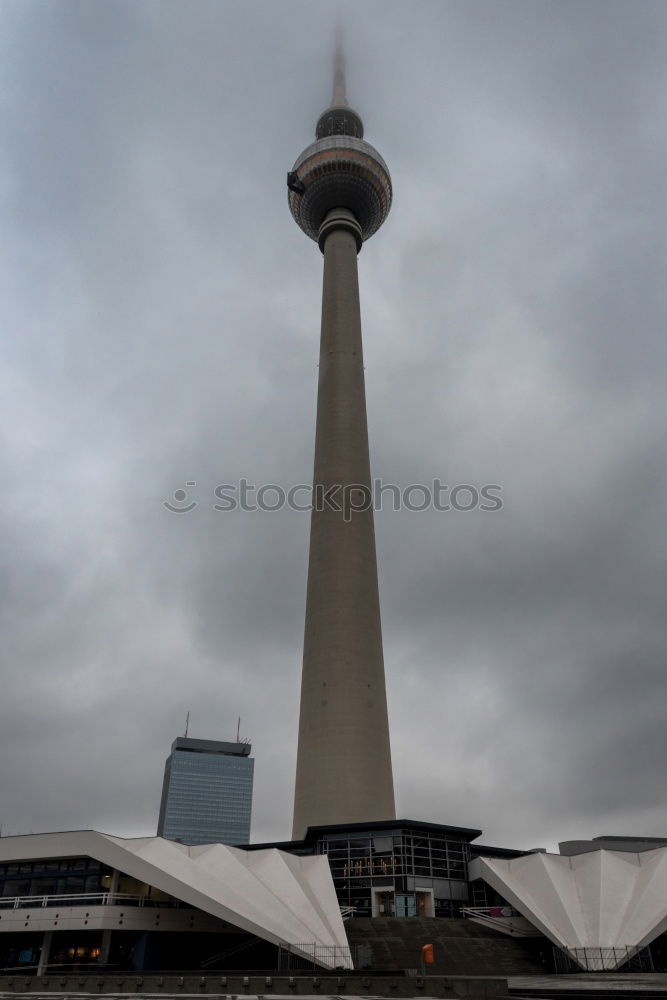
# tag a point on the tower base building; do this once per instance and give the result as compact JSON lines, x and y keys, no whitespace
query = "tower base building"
{"x":366,"y":897}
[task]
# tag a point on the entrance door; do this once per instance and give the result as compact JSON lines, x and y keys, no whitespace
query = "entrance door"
{"x":424,"y":903}
{"x":384,"y":900}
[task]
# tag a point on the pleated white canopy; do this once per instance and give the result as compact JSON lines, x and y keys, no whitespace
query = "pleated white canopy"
{"x":601,"y":900}
{"x":278,"y":897}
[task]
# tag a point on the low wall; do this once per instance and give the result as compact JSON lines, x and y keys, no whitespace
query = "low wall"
{"x":236,"y":987}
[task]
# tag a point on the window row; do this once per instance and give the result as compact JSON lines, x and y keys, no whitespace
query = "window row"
{"x":55,"y":865}
{"x":65,"y":886}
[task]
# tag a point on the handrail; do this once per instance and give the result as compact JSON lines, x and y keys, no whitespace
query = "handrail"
{"x":490,"y":911}
{"x":85,"y":898}
{"x":208,"y":962}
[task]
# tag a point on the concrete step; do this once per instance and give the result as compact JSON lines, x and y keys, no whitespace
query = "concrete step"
{"x":461,"y":948}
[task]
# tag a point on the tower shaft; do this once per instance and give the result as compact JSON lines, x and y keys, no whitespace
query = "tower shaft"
{"x":344,"y":770}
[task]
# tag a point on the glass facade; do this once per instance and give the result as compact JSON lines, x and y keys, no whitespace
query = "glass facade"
{"x":207,"y":793}
{"x":61,"y":876}
{"x":403,"y":872}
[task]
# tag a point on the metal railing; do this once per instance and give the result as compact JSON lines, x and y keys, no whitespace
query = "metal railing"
{"x":86,"y":899}
{"x":490,"y":911}
{"x":612,"y":959}
{"x":216,"y":961}
{"x":314,"y":956}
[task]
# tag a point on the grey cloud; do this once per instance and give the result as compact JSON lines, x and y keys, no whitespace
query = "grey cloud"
{"x":161,"y":325}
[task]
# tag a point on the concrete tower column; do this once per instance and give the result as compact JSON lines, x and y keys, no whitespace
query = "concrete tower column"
{"x":344,"y":760}
{"x":340,"y":194}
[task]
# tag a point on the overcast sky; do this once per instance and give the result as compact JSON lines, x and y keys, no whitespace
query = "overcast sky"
{"x":160,"y":325}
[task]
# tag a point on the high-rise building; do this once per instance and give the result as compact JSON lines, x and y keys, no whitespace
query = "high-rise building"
{"x":207,"y":792}
{"x":339,"y":195}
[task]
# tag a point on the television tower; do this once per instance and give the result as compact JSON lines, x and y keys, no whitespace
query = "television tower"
{"x":339,"y":195}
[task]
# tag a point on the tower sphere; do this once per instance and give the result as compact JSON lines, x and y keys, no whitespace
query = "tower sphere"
{"x":339,"y":119}
{"x":339,"y":170}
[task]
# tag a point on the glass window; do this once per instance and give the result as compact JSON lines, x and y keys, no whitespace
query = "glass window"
{"x":16,"y":887}
{"x":43,"y":886}
{"x":405,"y":905}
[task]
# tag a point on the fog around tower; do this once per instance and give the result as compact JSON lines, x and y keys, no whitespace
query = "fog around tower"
{"x":160,"y":324}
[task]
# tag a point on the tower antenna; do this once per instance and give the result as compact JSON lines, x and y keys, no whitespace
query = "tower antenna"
{"x":339,"y":98}
{"x":187,"y":723}
{"x":238,"y":729}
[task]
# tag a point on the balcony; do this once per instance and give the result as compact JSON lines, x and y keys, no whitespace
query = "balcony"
{"x":102,"y":911}
{"x":86,"y":899}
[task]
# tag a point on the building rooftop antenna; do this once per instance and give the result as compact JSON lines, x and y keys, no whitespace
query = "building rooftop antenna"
{"x":187,"y":724}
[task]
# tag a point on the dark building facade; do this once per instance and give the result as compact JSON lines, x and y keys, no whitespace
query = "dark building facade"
{"x":207,"y":792}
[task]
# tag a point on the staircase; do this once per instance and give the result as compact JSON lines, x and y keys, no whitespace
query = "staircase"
{"x":462,"y":948}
